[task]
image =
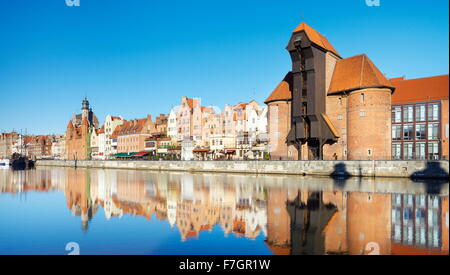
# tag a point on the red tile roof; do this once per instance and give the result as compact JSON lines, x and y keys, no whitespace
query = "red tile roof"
{"x":357,"y":72}
{"x":421,"y":89}
{"x":116,"y":131}
{"x":131,"y":127}
{"x":283,"y":91}
{"x":102,"y":130}
{"x":190,"y":102}
{"x":316,"y":37}
{"x":28,"y":139}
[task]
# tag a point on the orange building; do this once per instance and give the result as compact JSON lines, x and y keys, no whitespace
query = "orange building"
{"x":131,"y":135}
{"x":278,"y":222}
{"x":78,"y":133}
{"x":78,"y":197}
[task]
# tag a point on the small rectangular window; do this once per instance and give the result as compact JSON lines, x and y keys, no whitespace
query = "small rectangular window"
{"x":397,"y":114}
{"x":433,"y":131}
{"x":420,"y":113}
{"x":396,"y":151}
{"x":420,"y":131}
{"x":408,"y":132}
{"x":362,"y":97}
{"x":433,"y":150}
{"x":420,"y":151}
{"x":408,"y":114}
{"x":396,"y":132}
{"x":408,"y":150}
{"x":433,"y":111}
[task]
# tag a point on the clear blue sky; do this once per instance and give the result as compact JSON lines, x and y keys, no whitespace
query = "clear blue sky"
{"x":133,"y":57}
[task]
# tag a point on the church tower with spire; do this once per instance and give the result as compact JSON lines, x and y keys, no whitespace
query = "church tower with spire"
{"x":78,"y":133}
{"x":85,"y":109}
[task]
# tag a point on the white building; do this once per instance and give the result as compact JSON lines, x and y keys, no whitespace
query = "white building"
{"x":94,"y":145}
{"x":187,"y":149}
{"x":102,"y":144}
{"x":111,"y":122}
{"x":98,"y":144}
{"x":172,"y":127}
{"x":59,"y":147}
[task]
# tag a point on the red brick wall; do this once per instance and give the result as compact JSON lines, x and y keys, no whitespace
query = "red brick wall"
{"x":336,"y":110}
{"x":279,"y":125}
{"x":76,"y":144}
{"x":372,"y":131}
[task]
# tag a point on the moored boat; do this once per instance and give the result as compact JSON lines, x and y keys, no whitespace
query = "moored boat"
{"x":19,"y":162}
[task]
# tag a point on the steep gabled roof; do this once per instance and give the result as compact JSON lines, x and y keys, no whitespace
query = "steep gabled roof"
{"x":421,"y":89}
{"x":190,"y":102}
{"x":117,"y":130}
{"x":357,"y":72}
{"x":283,"y":91}
{"x":316,"y":37}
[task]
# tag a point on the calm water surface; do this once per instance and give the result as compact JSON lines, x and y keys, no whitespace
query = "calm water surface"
{"x":139,"y":212}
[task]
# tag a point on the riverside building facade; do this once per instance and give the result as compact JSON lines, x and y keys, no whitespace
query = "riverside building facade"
{"x":334,"y":108}
{"x":420,"y":127}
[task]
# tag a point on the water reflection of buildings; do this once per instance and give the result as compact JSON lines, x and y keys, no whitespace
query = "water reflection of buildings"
{"x":31,"y":180}
{"x":348,"y":222}
{"x":293,"y":219}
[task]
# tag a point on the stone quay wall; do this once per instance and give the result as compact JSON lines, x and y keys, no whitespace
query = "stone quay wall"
{"x":395,"y":169}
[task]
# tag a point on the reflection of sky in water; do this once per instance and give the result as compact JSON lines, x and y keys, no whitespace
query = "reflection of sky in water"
{"x":285,"y":214}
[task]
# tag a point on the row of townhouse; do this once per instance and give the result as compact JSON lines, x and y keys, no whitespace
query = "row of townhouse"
{"x":34,"y":147}
{"x":116,"y":138}
{"x":206,"y":133}
{"x":189,"y":132}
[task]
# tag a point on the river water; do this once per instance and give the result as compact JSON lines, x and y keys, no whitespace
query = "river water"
{"x":94,"y":211}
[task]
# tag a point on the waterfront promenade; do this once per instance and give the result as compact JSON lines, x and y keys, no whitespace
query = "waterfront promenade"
{"x":394,"y":169}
